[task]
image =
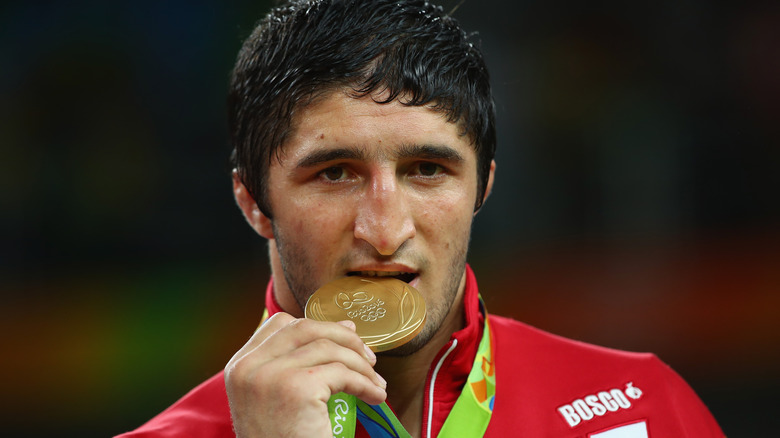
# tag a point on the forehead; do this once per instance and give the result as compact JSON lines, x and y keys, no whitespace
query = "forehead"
{"x":338,"y":119}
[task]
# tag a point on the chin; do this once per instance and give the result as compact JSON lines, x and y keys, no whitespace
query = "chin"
{"x":411,"y":347}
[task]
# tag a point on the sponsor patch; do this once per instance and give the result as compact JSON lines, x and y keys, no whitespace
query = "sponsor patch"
{"x":599,"y":404}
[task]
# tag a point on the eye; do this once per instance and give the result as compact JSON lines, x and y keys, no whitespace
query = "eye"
{"x":334,"y":173}
{"x":429,"y":169}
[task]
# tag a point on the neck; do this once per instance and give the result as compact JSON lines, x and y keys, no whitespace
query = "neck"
{"x":406,"y":376}
{"x":286,"y":300}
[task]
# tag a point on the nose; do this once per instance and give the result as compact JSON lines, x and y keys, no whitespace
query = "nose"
{"x":383,"y":218}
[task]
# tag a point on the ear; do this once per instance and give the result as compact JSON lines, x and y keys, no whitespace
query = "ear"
{"x":257,"y":220}
{"x":489,"y":185}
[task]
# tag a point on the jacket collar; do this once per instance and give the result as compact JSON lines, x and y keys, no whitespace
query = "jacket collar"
{"x":445,"y":382}
{"x":271,"y":305}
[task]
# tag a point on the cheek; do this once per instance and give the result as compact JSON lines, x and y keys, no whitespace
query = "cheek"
{"x":317,"y":224}
{"x":445,"y":219}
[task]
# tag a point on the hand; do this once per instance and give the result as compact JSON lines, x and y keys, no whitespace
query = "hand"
{"x":279,"y":383}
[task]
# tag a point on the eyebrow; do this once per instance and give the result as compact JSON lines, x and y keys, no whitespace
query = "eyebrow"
{"x":405,"y":151}
{"x":326,"y":155}
{"x":429,"y":152}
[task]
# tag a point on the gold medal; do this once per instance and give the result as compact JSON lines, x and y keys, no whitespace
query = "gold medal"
{"x":387,"y":312}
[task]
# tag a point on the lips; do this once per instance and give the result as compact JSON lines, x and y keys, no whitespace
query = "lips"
{"x":406,"y":277}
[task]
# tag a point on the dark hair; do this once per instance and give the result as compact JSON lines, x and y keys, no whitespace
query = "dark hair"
{"x":304,"y":49}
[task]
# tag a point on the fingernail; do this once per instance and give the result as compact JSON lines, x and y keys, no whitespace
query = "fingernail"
{"x":382,"y":381}
{"x":347,"y":323}
{"x":369,"y":353}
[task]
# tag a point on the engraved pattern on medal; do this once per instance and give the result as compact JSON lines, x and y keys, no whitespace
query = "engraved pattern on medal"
{"x":315,"y":309}
{"x":370,"y":310}
{"x":344,"y":301}
{"x":406,"y":308}
{"x":406,"y":323}
{"x":387,"y":312}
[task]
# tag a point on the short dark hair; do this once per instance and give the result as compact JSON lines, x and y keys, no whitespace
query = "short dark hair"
{"x":304,"y":49}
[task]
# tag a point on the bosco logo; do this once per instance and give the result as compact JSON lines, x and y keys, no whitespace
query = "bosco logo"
{"x":632,"y":391}
{"x":599,"y":404}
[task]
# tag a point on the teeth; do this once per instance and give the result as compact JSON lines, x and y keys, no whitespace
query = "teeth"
{"x":380,"y":273}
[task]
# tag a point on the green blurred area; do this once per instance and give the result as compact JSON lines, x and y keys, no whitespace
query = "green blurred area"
{"x":635,"y":204}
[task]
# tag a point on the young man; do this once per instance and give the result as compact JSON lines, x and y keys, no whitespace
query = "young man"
{"x":364,"y":141}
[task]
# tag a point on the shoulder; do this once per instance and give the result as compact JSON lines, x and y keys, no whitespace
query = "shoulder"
{"x":517,"y":340}
{"x":556,"y":367}
{"x":574,"y":387}
{"x":203,"y":412}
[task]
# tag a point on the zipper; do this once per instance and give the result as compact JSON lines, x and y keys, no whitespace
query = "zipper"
{"x":431,"y":386}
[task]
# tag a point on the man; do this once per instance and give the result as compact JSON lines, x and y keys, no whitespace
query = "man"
{"x":364,"y":141}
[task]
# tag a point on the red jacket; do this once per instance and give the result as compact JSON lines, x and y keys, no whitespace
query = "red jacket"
{"x":546,"y":386}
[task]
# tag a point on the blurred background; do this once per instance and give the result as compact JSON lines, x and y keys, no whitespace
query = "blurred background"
{"x":636,"y":203}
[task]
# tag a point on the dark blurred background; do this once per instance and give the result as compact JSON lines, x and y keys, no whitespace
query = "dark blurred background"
{"x":636,"y":203}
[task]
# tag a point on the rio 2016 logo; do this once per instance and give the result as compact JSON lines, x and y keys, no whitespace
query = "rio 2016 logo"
{"x":341,"y":410}
{"x":346,"y":302}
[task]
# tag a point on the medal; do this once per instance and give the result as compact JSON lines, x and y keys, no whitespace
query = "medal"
{"x":387,"y":312}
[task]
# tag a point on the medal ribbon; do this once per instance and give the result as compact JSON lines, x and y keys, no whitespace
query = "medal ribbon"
{"x":469,"y":416}
{"x":472,"y":411}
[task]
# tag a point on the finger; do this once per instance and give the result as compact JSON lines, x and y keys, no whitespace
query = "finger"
{"x":368,"y":352}
{"x":267,"y":329}
{"x":348,"y":324}
{"x":340,"y":379}
{"x":324,"y":351}
{"x":303,"y":331}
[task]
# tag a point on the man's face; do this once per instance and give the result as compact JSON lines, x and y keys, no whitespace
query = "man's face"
{"x":367,"y":189}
